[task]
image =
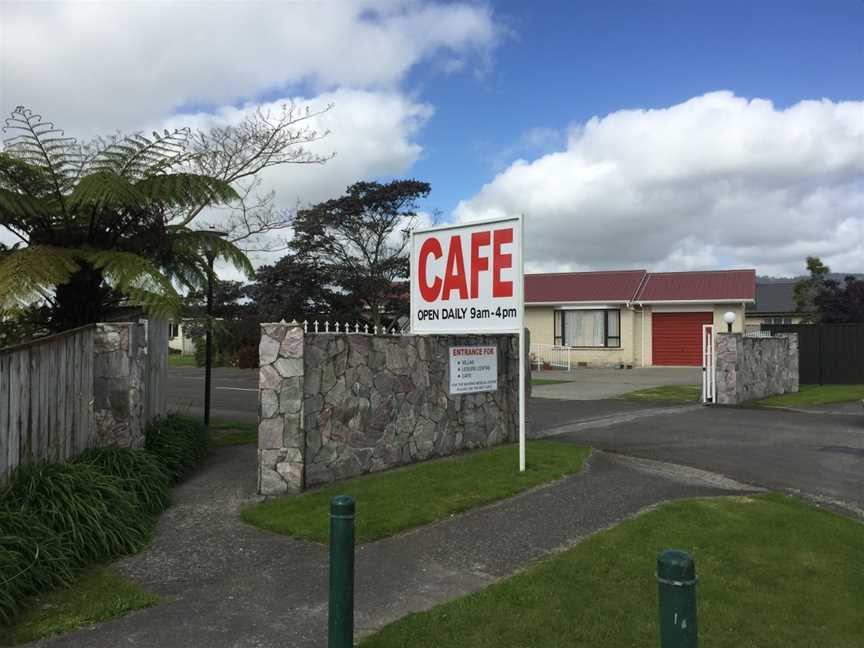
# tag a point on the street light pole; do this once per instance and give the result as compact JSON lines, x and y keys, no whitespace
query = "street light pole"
{"x":208,"y":349}
{"x":210,"y":255}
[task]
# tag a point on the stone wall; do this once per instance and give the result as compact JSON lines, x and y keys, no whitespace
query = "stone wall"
{"x":749,"y":368}
{"x":370,"y":403}
{"x":119,"y":356}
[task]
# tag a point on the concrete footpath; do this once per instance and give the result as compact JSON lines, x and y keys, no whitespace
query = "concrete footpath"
{"x":225,"y":584}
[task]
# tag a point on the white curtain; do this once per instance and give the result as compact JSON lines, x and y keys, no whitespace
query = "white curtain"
{"x":583,"y":328}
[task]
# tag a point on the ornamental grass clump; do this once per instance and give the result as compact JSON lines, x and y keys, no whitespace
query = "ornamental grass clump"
{"x":141,"y":473}
{"x":180,"y":442}
{"x":94,"y":513}
{"x":33,"y":559}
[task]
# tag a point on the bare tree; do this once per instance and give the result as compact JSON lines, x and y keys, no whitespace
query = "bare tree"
{"x":238,"y":153}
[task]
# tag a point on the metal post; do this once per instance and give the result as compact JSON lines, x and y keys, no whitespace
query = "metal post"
{"x":676,"y":582}
{"x":208,"y":360}
{"x":341,"y":612}
{"x":522,"y":378}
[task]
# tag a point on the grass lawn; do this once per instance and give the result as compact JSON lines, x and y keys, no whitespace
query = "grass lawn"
{"x":548,"y":381}
{"x":177,"y":360}
{"x":226,"y":433}
{"x":677,"y":393}
{"x":815,"y":395}
{"x":773,"y":573}
{"x":99,"y":594}
{"x":393,"y":501}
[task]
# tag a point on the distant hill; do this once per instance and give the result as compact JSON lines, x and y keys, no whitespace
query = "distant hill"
{"x":837,"y":276}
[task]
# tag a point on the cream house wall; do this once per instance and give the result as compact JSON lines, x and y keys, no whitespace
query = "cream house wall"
{"x":540,"y":321}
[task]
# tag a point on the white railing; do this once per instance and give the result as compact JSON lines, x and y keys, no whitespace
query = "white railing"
{"x":348,"y":328}
{"x":551,"y":355}
{"x":759,"y":334}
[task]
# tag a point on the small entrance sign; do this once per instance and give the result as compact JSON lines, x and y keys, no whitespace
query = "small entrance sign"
{"x":473,"y":369}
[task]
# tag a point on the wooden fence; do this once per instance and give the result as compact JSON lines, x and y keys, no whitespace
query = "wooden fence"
{"x":49,"y":405}
{"x":828,"y":354}
{"x":46,"y":399}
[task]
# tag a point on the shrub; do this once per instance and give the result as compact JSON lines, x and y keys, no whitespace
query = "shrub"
{"x":33,"y":559}
{"x":141,"y":473}
{"x":96,"y":516}
{"x":247,"y":357}
{"x":180,"y":442}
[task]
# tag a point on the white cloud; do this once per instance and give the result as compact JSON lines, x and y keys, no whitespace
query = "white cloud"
{"x":716,"y":181}
{"x":99,"y":66}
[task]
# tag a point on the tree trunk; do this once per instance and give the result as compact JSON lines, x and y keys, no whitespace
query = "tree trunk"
{"x":81,"y":301}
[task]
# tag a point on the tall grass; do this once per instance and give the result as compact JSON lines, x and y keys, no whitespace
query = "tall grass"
{"x":92,"y":511}
{"x":141,"y":473}
{"x":180,"y":442}
{"x":32,"y":559}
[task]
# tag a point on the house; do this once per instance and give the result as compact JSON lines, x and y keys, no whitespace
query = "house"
{"x":633,"y":317}
{"x":179,"y":339}
{"x":775,"y":304}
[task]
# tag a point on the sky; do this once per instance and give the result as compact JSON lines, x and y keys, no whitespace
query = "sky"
{"x":665,"y":135}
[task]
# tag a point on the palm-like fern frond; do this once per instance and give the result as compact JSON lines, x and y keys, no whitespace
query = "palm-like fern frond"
{"x":184,"y":189}
{"x":26,"y":274}
{"x":198,"y":243}
{"x":137,"y":277}
{"x":138,"y":156}
{"x":44,"y":147}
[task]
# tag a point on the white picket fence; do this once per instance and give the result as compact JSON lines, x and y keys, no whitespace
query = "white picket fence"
{"x":347,"y":327}
{"x":550,"y":354}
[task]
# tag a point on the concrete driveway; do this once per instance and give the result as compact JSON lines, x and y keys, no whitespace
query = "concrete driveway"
{"x":598,"y":383}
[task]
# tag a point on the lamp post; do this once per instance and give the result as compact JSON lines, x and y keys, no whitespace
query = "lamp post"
{"x":210,"y":255}
{"x":729,"y":317}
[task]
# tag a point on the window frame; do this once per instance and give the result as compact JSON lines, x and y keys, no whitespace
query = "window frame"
{"x":559,"y":334}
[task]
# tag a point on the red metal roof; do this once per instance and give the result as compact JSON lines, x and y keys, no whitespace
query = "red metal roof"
{"x":615,"y":286}
{"x":640,"y":286}
{"x":699,"y":286}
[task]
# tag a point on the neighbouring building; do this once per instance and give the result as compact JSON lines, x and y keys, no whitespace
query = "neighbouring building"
{"x":775,"y":304}
{"x":179,"y":340}
{"x":633,"y":317}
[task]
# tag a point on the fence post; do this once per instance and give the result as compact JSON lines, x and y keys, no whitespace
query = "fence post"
{"x":676,"y":582}
{"x":341,"y":611}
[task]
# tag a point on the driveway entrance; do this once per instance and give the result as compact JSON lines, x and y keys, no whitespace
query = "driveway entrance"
{"x":598,"y":383}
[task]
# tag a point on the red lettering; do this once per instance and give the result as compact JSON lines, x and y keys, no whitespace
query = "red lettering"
{"x":431,"y":246}
{"x":454,"y":275}
{"x":478,"y":263}
{"x":500,"y":262}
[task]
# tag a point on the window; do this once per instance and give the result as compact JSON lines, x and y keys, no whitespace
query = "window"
{"x":588,"y":328}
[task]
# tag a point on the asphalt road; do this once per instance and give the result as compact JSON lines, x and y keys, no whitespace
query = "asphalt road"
{"x":234,"y":396}
{"x":821,"y":455}
{"x":818,"y":454}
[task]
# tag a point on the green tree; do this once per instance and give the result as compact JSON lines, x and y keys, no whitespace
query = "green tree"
{"x":806,"y":290}
{"x":361,"y":240}
{"x":94,"y":222}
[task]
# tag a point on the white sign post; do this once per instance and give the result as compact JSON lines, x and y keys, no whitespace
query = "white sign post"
{"x":468,"y":278}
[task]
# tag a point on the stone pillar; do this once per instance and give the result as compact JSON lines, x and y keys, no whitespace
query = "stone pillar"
{"x":281,"y":441}
{"x":727,"y":350}
{"x":118,"y":384}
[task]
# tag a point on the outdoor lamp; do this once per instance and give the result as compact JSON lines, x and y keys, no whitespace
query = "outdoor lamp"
{"x":729,"y":316}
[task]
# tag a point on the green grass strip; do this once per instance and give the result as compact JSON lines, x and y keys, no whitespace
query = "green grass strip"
{"x":177,"y":360}
{"x":810,"y":395}
{"x":228,"y":433}
{"x":548,"y":381}
{"x":390,"y":502}
{"x":670,"y":393}
{"x":773,"y":573}
{"x":99,"y":594}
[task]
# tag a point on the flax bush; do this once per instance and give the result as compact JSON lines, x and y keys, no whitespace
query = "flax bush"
{"x":180,"y":442}
{"x":141,"y":473}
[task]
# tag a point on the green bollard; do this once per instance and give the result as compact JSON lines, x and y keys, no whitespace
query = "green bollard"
{"x":341,"y":612}
{"x":676,"y":581}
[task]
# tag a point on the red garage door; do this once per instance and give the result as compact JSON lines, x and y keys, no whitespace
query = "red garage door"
{"x":677,"y":337}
